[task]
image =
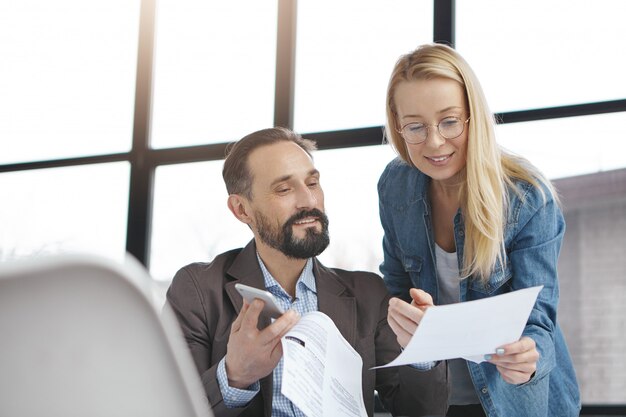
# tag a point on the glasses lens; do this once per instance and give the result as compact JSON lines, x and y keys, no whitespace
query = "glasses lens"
{"x":451,"y":127}
{"x":415,"y":132}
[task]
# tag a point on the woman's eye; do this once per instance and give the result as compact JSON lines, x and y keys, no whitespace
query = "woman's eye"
{"x":450,"y":121}
{"x":416,"y":127}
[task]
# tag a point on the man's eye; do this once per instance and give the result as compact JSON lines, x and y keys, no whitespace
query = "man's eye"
{"x":282,"y":190}
{"x":313,"y":184}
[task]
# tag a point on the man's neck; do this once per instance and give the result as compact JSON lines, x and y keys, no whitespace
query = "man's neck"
{"x":285,"y":270}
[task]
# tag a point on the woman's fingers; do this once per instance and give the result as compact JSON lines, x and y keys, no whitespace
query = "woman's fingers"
{"x":421,"y":299}
{"x":518,"y":361}
{"x":403,"y":318}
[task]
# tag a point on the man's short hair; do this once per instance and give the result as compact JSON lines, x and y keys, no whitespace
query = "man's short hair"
{"x":236,"y":172}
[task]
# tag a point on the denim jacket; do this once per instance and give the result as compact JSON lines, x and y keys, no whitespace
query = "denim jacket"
{"x":533,"y":235}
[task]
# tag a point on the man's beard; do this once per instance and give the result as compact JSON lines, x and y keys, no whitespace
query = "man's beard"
{"x":312,"y":244}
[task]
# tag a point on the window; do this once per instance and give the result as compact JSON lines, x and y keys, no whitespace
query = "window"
{"x":543,"y":54}
{"x":345,"y":53}
{"x":191,"y":220}
{"x":71,"y":210}
{"x":67,"y":78}
{"x":349,"y":178}
{"x":214,"y":70}
{"x":569,"y":146}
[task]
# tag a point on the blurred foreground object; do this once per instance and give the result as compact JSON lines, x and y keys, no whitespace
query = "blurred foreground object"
{"x":81,"y":336}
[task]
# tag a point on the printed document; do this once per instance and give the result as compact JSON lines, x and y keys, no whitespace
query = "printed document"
{"x":322,"y":372}
{"x":469,"y":330}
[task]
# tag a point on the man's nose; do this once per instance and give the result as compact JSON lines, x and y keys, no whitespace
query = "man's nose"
{"x":306,"y":198}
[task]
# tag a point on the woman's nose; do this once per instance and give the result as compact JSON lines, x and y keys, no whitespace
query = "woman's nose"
{"x":434,"y":138}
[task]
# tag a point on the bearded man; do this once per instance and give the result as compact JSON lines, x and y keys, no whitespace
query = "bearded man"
{"x":274,"y":188}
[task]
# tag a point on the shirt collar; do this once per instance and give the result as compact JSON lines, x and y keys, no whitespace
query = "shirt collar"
{"x":306,"y":277}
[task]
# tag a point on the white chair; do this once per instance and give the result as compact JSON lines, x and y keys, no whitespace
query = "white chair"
{"x":80,"y":336}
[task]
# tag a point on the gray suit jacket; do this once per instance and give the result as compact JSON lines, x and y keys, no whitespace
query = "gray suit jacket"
{"x":206,"y":303}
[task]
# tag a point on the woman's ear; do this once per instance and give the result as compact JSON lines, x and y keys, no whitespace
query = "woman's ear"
{"x":239,"y":206}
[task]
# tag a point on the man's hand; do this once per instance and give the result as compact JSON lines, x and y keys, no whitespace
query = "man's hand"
{"x":518,"y":362}
{"x":404,"y":318}
{"x":252,"y":353}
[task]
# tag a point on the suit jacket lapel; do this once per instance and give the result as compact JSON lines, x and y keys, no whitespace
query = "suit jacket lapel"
{"x":245,"y":270}
{"x":334,"y":300}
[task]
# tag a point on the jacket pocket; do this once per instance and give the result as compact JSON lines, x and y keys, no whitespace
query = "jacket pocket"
{"x":496,"y":282}
{"x":413,"y":266}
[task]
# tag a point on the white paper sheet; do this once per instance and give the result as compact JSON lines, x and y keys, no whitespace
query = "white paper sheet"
{"x":470,"y":329}
{"x":322,"y":372}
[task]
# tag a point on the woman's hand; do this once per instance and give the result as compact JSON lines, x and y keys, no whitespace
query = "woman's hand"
{"x":404,"y":318}
{"x":518,"y":362}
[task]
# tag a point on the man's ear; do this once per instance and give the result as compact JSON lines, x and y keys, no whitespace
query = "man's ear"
{"x":239,"y":206}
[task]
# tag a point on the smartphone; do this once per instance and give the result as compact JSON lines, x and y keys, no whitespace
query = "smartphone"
{"x":271,"y":305}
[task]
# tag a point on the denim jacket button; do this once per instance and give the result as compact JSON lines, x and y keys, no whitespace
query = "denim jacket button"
{"x":484,"y":390}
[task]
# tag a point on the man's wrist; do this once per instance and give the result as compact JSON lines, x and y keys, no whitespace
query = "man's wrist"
{"x":233,"y":380}
{"x":235,"y":397}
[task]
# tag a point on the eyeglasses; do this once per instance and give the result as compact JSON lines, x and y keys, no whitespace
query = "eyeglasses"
{"x":449,"y":128}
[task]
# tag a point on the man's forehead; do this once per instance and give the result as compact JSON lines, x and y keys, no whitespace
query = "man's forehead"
{"x":288,"y":177}
{"x":280,"y":162}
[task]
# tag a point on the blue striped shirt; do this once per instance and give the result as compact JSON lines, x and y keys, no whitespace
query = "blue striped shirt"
{"x":305,"y":301}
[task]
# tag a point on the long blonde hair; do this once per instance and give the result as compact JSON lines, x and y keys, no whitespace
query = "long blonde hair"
{"x":489,"y":172}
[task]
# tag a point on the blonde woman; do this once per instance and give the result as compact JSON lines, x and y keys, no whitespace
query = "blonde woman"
{"x":464,"y":220}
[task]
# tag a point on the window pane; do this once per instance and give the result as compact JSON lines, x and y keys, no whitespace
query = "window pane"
{"x":67,"y":77}
{"x":345,"y":53}
{"x":544,"y":53}
{"x":64,"y":210}
{"x":192,"y":222}
{"x":214,"y":70}
{"x":569,"y":146}
{"x":349,"y":178}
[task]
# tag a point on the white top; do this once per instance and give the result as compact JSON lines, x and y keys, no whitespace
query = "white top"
{"x":448,"y":276}
{"x":449,"y":280}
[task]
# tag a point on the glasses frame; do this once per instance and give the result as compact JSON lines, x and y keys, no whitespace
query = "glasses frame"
{"x":428,"y":126}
